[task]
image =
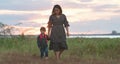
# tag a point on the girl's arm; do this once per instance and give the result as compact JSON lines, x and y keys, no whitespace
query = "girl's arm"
{"x":67,"y":30}
{"x":38,"y":41}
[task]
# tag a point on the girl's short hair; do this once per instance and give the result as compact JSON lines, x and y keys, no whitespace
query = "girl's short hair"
{"x":42,"y":29}
{"x":56,"y":6}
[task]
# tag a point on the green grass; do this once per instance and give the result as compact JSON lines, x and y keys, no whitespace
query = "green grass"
{"x":27,"y":45}
{"x":94,"y":47}
{"x":99,"y":48}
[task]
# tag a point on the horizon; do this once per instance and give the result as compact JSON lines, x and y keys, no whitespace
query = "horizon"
{"x":84,"y":16}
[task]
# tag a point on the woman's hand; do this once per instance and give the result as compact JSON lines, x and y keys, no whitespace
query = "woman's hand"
{"x":68,"y":34}
{"x":67,"y":30}
{"x":49,"y":32}
{"x":48,"y":35}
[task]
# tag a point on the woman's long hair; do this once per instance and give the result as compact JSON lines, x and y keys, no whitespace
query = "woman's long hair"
{"x":56,"y":6}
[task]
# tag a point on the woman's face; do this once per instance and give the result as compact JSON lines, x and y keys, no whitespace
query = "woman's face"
{"x":57,"y":11}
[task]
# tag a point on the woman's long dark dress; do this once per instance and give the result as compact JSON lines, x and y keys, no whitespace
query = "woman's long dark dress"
{"x":58,"y":35}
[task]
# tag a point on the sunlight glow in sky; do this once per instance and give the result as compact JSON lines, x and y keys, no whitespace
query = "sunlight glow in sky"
{"x":91,"y":16}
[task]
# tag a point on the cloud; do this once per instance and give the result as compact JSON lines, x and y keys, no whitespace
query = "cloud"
{"x":117,"y":11}
{"x":13,"y":19}
{"x":86,"y":0}
{"x":18,"y":30}
{"x":92,"y":4}
{"x":14,"y":12}
{"x":97,"y":26}
{"x":89,"y":14}
{"x":89,"y":10}
{"x":106,"y":7}
{"x":80,"y":13}
{"x":25,"y":4}
{"x":13,"y":16}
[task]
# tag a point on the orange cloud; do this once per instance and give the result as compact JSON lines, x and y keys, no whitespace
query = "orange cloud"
{"x":27,"y":30}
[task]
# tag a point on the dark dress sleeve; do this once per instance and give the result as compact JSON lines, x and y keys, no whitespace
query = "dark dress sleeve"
{"x":66,"y":24}
{"x":50,"y":22}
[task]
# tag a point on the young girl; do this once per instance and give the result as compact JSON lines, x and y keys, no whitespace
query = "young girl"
{"x":56,"y":31}
{"x":42,"y":43}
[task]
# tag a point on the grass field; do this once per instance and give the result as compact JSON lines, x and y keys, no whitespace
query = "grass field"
{"x":81,"y":51}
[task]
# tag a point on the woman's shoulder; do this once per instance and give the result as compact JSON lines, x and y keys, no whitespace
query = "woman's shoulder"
{"x":61,"y":15}
{"x":51,"y":16}
{"x":64,"y":15}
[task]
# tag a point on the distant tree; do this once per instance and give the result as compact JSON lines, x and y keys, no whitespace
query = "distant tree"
{"x":114,"y":32}
{"x":6,"y":29}
{"x":2,"y":32}
{"x":9,"y":30}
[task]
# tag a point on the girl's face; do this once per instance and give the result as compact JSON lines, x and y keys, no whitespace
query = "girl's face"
{"x":42,"y":31}
{"x":57,"y":11}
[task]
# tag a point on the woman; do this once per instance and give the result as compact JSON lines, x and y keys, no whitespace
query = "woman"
{"x":56,"y":31}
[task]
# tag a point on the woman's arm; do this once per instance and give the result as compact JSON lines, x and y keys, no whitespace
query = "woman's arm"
{"x":67,"y":30}
{"x":49,"y":26}
{"x":66,"y":24}
{"x":49,"y":31}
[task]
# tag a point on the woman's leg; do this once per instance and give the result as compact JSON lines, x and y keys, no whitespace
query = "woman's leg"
{"x":57,"y":54}
{"x":61,"y":51}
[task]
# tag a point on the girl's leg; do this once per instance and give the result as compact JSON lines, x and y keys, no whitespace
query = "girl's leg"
{"x":41,"y":53}
{"x":46,"y":53}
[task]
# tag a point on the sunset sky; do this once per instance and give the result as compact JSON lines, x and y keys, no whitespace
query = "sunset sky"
{"x":84,"y":16}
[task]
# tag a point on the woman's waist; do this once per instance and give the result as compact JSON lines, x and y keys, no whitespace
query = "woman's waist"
{"x":57,"y":25}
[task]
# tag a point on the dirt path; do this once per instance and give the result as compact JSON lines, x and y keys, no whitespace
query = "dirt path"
{"x":17,"y":58}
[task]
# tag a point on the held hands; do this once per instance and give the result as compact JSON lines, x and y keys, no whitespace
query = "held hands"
{"x":48,"y":35}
